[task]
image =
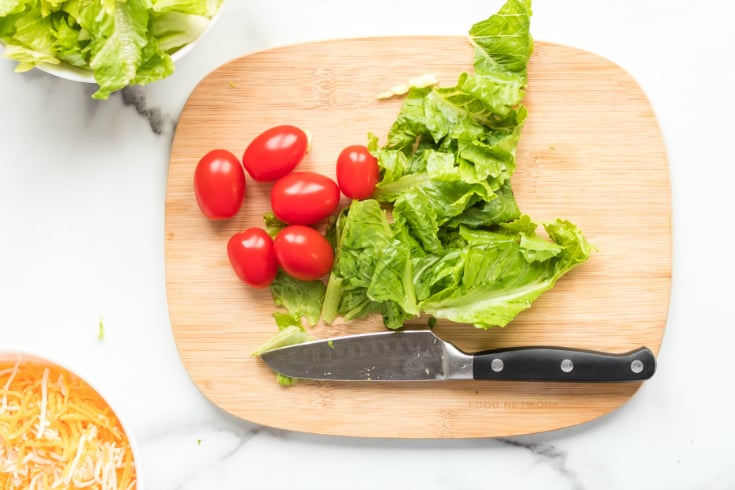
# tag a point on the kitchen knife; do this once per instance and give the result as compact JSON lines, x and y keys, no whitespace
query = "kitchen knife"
{"x":419,"y":355}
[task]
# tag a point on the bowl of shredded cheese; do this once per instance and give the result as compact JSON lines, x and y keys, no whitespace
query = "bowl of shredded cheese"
{"x":57,"y":431}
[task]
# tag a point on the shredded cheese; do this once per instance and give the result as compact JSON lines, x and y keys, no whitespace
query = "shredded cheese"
{"x":44,"y":403}
{"x":57,"y":432}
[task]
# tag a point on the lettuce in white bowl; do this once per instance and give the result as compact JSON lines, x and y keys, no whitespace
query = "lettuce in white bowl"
{"x":114,"y":43}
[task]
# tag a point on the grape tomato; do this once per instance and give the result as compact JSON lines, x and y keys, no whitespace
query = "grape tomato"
{"x":304,"y":198}
{"x":303,"y":253}
{"x":219,"y":184}
{"x":275,"y":152}
{"x":252,"y":257}
{"x":357,"y":172}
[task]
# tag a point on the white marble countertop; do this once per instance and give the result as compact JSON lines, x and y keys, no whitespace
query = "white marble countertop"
{"x":82,"y":188}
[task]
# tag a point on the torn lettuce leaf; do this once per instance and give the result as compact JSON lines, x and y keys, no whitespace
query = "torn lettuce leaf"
{"x":498,"y":274}
{"x":300,"y":299}
{"x":502,"y":42}
{"x":301,"y":302}
{"x":290,"y":335}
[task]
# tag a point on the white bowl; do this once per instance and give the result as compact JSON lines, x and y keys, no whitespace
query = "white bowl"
{"x":20,"y":355}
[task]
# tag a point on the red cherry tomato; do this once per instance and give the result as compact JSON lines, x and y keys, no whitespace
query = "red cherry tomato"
{"x":219,"y":184}
{"x":303,"y":253}
{"x":252,"y":257}
{"x":275,"y":152}
{"x":303,"y":198}
{"x":357,"y":172}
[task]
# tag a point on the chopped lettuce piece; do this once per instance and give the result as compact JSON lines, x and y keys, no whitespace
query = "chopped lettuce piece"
{"x":290,"y":332}
{"x":272,"y":224}
{"x":286,"y":336}
{"x":176,"y":29}
{"x":301,"y":299}
{"x":498,"y":274}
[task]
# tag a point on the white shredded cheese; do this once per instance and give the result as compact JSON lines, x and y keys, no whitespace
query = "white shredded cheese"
{"x":13,"y":372}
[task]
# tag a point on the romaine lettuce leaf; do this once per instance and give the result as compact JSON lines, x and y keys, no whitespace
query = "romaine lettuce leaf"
{"x":195,"y":7}
{"x":300,"y":299}
{"x":32,"y":37}
{"x":359,"y":234}
{"x":498,"y":274}
{"x":116,"y":48}
{"x":173,"y":30}
{"x":289,"y":335}
{"x":502,"y":42}
{"x":8,"y":7}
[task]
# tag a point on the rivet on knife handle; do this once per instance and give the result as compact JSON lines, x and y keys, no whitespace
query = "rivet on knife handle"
{"x":559,"y":364}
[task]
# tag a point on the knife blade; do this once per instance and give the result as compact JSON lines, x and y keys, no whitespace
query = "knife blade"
{"x":419,"y":355}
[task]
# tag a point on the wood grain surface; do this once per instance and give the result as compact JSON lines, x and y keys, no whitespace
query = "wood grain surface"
{"x":591,"y":152}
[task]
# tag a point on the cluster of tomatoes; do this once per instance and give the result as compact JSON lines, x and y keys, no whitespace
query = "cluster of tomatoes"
{"x":298,"y":199}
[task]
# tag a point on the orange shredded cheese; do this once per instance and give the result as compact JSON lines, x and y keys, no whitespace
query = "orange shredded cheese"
{"x":56,"y":431}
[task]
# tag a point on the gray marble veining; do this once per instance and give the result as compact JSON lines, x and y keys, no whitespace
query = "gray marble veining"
{"x":160,"y":123}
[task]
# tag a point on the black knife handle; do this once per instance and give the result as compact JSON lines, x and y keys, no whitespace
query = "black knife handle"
{"x":559,"y":364}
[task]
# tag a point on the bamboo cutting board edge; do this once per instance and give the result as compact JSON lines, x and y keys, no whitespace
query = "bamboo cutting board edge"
{"x":487,"y":410}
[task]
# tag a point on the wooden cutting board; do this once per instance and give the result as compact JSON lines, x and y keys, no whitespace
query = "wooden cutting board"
{"x":591,"y":152}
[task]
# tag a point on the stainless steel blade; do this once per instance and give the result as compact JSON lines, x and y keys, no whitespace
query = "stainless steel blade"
{"x":413,"y":355}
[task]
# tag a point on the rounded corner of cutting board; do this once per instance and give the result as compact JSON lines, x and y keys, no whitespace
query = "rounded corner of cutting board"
{"x":589,"y":127}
